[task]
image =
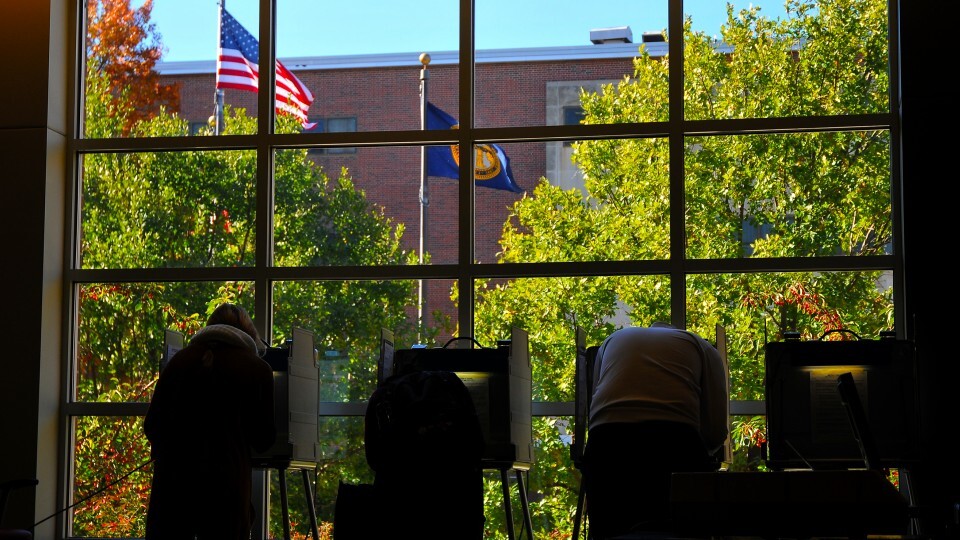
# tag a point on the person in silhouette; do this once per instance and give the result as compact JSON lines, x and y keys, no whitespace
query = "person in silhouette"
{"x":659,"y":406}
{"x":212,"y":406}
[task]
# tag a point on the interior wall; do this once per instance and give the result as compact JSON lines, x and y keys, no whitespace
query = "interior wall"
{"x":32,"y":143}
{"x":928,"y":171}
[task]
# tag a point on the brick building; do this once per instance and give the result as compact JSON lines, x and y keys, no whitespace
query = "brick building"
{"x":515,"y":87}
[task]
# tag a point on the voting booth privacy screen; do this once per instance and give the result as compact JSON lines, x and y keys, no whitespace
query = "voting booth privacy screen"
{"x":807,"y":423}
{"x":172,"y":343}
{"x":500,"y":384}
{"x":296,"y":385}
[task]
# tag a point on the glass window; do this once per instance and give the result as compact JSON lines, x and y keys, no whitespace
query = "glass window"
{"x":370,"y":212}
{"x":609,"y":202}
{"x":573,"y":115}
{"x":168,"y":209}
{"x":601,"y":44}
{"x":721,"y":62}
{"x":583,"y":171}
{"x":786,"y":186}
{"x":362,"y":59}
{"x":108,"y":449}
{"x":120,"y":332}
{"x":332,"y":125}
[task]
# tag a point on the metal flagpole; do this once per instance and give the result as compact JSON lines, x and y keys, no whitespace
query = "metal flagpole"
{"x":424,"y":190}
{"x":218,"y":100}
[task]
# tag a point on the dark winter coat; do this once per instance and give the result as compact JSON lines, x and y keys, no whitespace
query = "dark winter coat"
{"x":212,"y":405}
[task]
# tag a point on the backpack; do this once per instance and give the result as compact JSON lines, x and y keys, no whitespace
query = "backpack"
{"x":351,"y":513}
{"x":424,"y":442}
{"x":422,"y":416}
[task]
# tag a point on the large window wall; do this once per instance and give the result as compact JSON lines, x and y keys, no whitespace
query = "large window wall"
{"x":743,"y":176}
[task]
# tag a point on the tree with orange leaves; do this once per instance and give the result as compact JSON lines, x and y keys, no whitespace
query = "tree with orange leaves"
{"x":124,"y":46}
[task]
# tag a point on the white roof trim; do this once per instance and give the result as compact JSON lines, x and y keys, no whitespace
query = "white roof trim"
{"x":411,"y":59}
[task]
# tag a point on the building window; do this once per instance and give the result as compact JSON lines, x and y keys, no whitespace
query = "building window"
{"x":563,"y":108}
{"x":333,"y":125}
{"x":572,"y":115}
{"x":753,"y":232}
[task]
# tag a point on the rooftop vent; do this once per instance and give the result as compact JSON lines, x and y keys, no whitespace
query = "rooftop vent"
{"x":653,"y":37}
{"x":616,"y":34}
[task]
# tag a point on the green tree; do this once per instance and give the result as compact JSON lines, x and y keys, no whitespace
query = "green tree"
{"x":808,"y":194}
{"x":197,"y":209}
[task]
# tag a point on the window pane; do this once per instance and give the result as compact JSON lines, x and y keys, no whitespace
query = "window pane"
{"x":168,"y":209}
{"x":530,"y":66}
{"x":342,"y":459}
{"x":361,"y":209}
{"x":794,"y":195}
{"x":548,"y":308}
{"x":826,"y":65}
{"x":110,"y":504}
{"x":346,"y":318}
{"x":554,"y":477}
{"x":352,"y":60}
{"x":586,"y":201}
{"x":572,"y":114}
{"x":332,"y":125}
{"x":157,"y":78}
{"x":120,"y":332}
{"x":342,"y":124}
{"x":551,"y":487}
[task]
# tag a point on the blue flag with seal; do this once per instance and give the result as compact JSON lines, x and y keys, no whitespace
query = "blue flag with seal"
{"x":491,"y":165}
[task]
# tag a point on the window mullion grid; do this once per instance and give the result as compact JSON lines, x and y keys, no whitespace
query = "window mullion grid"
{"x":675,"y":128}
{"x":466,"y":274}
{"x":266,"y":128}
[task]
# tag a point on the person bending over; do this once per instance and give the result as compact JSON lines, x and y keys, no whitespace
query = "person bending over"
{"x":212,"y":406}
{"x":659,"y":406}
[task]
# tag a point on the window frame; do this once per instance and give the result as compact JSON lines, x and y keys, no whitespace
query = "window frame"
{"x":465,"y":273}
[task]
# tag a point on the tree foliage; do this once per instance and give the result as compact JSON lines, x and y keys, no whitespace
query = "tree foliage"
{"x":123,"y":44}
{"x":197,"y":209}
{"x":761,"y":196}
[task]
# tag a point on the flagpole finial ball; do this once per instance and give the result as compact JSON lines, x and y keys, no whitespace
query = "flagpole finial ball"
{"x":424,"y":59}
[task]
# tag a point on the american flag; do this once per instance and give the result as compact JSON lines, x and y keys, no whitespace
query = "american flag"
{"x":238,"y":68}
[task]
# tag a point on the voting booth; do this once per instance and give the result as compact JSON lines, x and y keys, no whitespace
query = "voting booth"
{"x":296,"y":385}
{"x":500,"y":383}
{"x":499,"y":380}
{"x":296,"y":376}
{"x":839,"y":413}
{"x":808,"y":425}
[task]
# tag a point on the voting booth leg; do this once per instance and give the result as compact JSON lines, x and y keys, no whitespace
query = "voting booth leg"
{"x":581,"y":502}
{"x":907,"y":488}
{"x":260,"y":499}
{"x":282,"y":478}
{"x":527,"y":522}
{"x":507,"y":510}
{"x":308,"y":493}
{"x":524,"y":505}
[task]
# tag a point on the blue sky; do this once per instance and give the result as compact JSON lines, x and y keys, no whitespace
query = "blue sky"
{"x":326,"y":27}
